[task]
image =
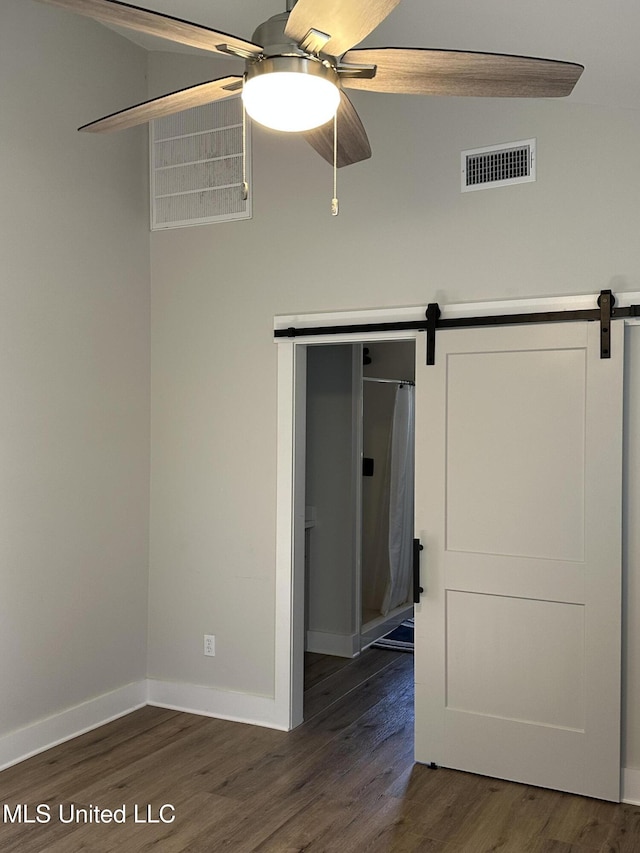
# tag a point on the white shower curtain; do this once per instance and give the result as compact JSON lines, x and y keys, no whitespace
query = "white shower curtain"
{"x":398,"y":590}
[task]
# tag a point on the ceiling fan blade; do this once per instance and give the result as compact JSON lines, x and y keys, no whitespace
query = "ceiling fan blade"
{"x":353,"y":145}
{"x":421,"y":71}
{"x":155,"y":24}
{"x":184,"y":99}
{"x":346,"y":21}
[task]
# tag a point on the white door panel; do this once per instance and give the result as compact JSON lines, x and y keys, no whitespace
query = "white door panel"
{"x":518,"y":506}
{"x":513,"y":670}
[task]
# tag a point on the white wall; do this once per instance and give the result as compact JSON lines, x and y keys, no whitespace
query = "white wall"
{"x":405,"y":236}
{"x":74,"y":368}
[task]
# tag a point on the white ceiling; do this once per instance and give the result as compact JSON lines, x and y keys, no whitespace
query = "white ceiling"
{"x":602,"y":35}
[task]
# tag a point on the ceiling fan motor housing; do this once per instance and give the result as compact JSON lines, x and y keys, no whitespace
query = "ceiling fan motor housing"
{"x":295,"y":64}
{"x":271,"y":36}
{"x":280,"y":53}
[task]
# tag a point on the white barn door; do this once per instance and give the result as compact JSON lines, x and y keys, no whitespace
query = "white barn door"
{"x":518,"y":507}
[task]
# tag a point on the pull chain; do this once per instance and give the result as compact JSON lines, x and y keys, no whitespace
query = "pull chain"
{"x":334,"y":200}
{"x":245,"y":185}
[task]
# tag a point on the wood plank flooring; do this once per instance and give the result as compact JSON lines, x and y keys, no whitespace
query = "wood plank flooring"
{"x":344,"y":782}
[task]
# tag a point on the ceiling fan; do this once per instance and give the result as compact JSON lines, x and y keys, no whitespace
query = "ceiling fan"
{"x":301,"y":61}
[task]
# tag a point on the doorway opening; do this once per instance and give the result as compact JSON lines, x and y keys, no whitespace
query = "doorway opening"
{"x":358,"y":477}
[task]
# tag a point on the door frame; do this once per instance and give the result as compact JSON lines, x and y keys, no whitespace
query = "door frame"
{"x":290,"y":504}
{"x":290,"y":512}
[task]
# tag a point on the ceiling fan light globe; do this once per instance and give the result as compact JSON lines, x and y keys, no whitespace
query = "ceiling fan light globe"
{"x":291,"y":93}
{"x":289,"y":101}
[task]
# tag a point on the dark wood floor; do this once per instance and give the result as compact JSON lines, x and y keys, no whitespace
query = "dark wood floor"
{"x":344,"y":781}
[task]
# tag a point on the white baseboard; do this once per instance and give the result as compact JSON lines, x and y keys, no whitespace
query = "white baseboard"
{"x":191,"y":698}
{"x":209,"y":702}
{"x":38,"y":737}
{"x":223,"y":704}
{"x":631,"y":786}
{"x":341,"y":645}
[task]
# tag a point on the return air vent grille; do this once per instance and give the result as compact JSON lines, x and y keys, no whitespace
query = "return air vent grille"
{"x":499,"y":165}
{"x":196,"y":166}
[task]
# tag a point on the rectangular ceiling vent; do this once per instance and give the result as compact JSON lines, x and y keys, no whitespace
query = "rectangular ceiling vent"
{"x":196,"y":166}
{"x":499,"y":165}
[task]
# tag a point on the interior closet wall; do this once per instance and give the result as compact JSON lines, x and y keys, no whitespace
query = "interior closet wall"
{"x":331,"y":534}
{"x":389,"y":360}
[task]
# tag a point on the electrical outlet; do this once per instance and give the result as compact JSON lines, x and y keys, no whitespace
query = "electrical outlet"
{"x":209,"y":645}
